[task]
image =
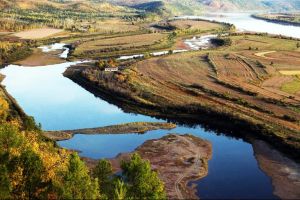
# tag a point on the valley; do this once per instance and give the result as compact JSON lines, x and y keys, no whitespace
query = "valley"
{"x":195,"y":104}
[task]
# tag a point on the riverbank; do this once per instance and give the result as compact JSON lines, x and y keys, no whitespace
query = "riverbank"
{"x":203,"y":94}
{"x":276,"y":18}
{"x":135,"y":127}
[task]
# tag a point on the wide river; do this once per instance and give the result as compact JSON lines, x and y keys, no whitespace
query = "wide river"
{"x":58,"y":103}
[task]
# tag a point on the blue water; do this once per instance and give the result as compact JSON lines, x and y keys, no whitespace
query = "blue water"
{"x":233,"y":170}
{"x":57,"y":102}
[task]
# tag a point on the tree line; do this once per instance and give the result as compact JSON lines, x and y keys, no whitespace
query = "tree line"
{"x":33,"y":167}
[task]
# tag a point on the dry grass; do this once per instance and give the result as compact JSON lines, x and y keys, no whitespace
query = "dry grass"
{"x":290,"y":72}
{"x":292,"y":87}
{"x":115,"y":26}
{"x":38,"y":33}
{"x":195,"y":24}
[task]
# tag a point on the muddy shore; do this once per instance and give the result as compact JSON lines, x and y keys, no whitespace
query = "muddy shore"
{"x":135,"y":127}
{"x":284,"y":172}
{"x":178,"y":159}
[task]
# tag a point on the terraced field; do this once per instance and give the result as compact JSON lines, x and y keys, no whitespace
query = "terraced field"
{"x":236,"y":82}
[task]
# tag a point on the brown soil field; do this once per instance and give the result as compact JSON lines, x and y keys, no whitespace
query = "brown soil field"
{"x":194,"y":24}
{"x":38,"y":33}
{"x":38,"y":58}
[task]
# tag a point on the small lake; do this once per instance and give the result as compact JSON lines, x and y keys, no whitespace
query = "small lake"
{"x":58,"y":103}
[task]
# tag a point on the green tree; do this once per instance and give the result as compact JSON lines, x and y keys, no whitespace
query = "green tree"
{"x":120,"y":190}
{"x":9,"y":138}
{"x":103,"y":171}
{"x":5,"y":187}
{"x":77,"y":182}
{"x":142,"y":181}
{"x":32,"y":173}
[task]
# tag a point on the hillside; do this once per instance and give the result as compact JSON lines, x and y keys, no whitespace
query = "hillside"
{"x":74,"y":5}
{"x":282,"y":5}
{"x":178,"y":7}
{"x":163,"y":7}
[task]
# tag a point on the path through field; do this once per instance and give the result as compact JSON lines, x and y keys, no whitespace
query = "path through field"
{"x":196,"y":165}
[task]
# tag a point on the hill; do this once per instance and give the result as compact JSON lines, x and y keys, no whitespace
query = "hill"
{"x":74,"y":5}
{"x":161,"y":7}
{"x":282,"y":5}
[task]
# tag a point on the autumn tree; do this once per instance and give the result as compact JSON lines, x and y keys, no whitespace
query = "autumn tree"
{"x":9,"y":138}
{"x":32,"y":171}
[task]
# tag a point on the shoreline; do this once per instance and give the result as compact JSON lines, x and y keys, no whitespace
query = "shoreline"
{"x":276,"y":21}
{"x":128,"y":128}
{"x":206,"y":117}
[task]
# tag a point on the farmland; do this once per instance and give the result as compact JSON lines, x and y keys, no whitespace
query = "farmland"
{"x":194,"y":24}
{"x":119,"y":45}
{"x":233,"y":82}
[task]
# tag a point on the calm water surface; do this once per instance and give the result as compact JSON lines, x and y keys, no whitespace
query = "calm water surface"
{"x":58,"y":103}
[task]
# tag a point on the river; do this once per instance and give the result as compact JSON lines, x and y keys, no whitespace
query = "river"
{"x":58,"y":103}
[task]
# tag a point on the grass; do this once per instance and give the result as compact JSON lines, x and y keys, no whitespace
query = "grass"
{"x":132,"y":41}
{"x":243,"y":42}
{"x":290,"y":72}
{"x":292,"y":87}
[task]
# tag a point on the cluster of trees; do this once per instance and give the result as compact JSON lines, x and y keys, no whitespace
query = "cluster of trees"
{"x":68,"y":19}
{"x":14,"y":25}
{"x":32,"y":167}
{"x":221,"y":41}
{"x":12,"y":51}
{"x":137,"y":181}
{"x":102,"y":64}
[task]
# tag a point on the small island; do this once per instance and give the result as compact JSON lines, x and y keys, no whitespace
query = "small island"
{"x":135,"y":127}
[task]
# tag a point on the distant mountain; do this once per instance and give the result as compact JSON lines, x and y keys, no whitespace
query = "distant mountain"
{"x":75,"y":5}
{"x":282,"y":5}
{"x":197,"y":6}
{"x":161,"y":7}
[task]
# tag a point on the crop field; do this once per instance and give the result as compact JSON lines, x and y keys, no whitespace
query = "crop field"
{"x":121,"y":44}
{"x":293,"y":86}
{"x":194,"y":24}
{"x":38,"y":33}
{"x":259,"y":43}
{"x":231,"y":81}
